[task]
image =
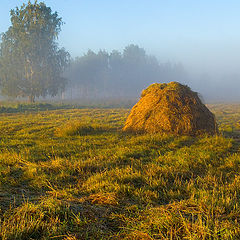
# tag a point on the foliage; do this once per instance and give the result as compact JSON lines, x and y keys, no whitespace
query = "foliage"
{"x":116,"y":74}
{"x":31,"y":63}
{"x":111,"y":185}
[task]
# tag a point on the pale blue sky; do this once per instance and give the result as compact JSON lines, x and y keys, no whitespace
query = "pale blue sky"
{"x":202,"y":34}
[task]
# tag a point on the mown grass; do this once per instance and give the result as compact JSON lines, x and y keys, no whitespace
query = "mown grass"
{"x":73,"y":174}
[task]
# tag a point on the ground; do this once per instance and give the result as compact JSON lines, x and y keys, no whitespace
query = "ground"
{"x":73,"y":174}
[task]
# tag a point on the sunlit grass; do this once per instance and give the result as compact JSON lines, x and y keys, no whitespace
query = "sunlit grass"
{"x":73,"y":174}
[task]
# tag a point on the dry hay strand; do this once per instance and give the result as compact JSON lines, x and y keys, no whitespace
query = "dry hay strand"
{"x":170,"y":108}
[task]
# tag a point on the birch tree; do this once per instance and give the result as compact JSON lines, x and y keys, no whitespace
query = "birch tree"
{"x":31,"y":63}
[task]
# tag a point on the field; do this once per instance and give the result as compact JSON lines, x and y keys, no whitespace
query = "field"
{"x":73,"y":174}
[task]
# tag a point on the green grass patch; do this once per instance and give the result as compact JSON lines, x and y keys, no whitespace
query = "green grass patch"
{"x":73,"y":174}
{"x":75,"y":128}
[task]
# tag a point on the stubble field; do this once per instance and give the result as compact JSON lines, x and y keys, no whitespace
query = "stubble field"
{"x":73,"y":174}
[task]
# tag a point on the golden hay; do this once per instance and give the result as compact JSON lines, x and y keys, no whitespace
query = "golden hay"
{"x":170,"y":108}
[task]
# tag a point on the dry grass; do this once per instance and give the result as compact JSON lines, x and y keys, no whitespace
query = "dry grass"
{"x":73,"y":128}
{"x":170,"y":108}
{"x":112,"y":185}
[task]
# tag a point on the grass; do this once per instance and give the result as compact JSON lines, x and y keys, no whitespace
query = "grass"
{"x":73,"y":174}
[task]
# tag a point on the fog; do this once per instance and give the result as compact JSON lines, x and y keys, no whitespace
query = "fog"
{"x":124,"y":74}
{"x":118,"y":74}
{"x":212,"y":67}
{"x":216,"y":86}
{"x":201,"y":36}
{"x":193,"y":42}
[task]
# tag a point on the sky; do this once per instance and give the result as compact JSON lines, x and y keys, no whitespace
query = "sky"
{"x":204,"y":35}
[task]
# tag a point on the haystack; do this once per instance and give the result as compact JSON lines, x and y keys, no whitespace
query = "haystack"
{"x":170,"y":108}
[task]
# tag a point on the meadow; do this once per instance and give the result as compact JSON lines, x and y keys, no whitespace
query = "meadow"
{"x":71,"y":173}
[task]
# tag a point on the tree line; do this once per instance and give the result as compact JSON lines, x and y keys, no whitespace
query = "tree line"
{"x":118,"y":74}
{"x":32,"y":65}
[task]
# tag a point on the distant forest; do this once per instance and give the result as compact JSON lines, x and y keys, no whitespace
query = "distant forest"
{"x":117,"y":74}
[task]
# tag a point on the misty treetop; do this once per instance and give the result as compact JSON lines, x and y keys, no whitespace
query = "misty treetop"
{"x":31,"y":64}
{"x":118,"y":74}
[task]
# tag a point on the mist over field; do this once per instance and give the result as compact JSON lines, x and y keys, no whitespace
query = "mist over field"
{"x":124,"y":74}
{"x":195,"y":43}
{"x":215,"y":73}
{"x":115,"y":74}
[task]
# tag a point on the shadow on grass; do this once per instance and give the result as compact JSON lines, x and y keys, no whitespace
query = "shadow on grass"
{"x":11,"y":107}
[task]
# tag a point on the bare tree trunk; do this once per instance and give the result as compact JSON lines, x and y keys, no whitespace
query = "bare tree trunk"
{"x":31,"y":99}
{"x":62,"y":95}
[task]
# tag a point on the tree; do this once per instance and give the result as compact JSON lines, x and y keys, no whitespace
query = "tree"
{"x":119,"y":74}
{"x":89,"y":73}
{"x":31,"y":64}
{"x":133,"y":53}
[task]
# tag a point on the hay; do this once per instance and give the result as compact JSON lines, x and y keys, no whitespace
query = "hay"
{"x":170,"y":108}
